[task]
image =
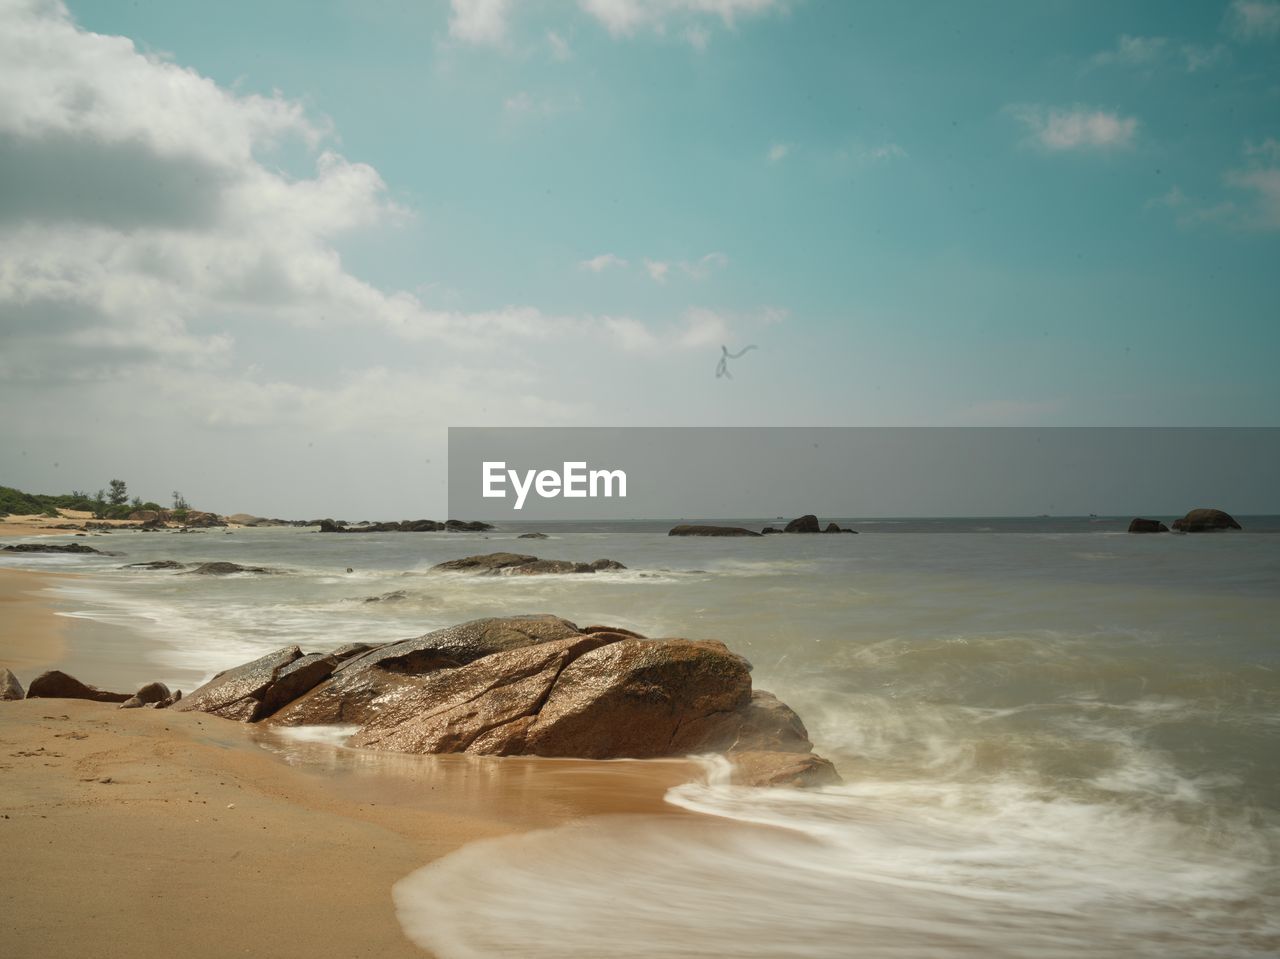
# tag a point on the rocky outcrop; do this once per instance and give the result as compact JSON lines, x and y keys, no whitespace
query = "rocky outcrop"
{"x":531,"y":685}
{"x":695,"y":530}
{"x":533,"y":536}
{"x":10,"y":688}
{"x":803,"y":524}
{"x":157,"y":564}
{"x":520,"y":564}
{"x":56,"y":684}
{"x":226,"y":569}
{"x":50,"y":548}
{"x":1139,"y":525}
{"x":1205,"y":521}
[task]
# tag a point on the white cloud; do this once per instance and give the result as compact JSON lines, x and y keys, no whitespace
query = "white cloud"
{"x":697,"y":37}
{"x":1076,"y":128}
{"x":698,"y":328}
{"x":605,"y":261}
{"x":778,"y":152}
{"x":560,"y":49}
{"x":1264,"y":183}
{"x":626,"y":17}
{"x":527,"y":105}
{"x":1254,"y":20}
{"x":703,"y":267}
{"x":1152,"y":52}
{"x":657,"y":269}
{"x":482,"y":22}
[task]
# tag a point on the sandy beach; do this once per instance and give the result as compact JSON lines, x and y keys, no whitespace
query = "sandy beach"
{"x":141,"y":832}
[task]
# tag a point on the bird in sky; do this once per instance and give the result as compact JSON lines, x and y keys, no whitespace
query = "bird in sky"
{"x":722,"y":368}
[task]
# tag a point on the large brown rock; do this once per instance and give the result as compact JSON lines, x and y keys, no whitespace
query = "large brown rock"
{"x":803,"y":524}
{"x":362,"y":684}
{"x":483,"y":707}
{"x":56,"y":684}
{"x":239,"y":693}
{"x":484,"y":563}
{"x":696,"y":530}
{"x":10,"y":688}
{"x":1205,"y":521}
{"x":1140,"y":525}
{"x":641,"y":698}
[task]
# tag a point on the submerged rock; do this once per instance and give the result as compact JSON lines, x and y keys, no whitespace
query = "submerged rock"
{"x":533,"y":536}
{"x":801,"y":770}
{"x":10,"y":688}
{"x":56,"y":684}
{"x":50,"y":548}
{"x":226,"y":569}
{"x":1205,"y":521}
{"x":1139,"y":525}
{"x":695,"y":530}
{"x":157,"y":564}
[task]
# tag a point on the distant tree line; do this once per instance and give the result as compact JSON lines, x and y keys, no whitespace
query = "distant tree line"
{"x":113,"y":502}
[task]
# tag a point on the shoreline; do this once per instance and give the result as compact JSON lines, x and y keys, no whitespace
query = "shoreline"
{"x":239,"y":840}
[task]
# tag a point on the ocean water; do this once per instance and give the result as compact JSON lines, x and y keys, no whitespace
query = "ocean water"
{"x":1057,"y":739}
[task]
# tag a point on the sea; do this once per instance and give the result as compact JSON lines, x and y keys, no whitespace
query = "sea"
{"x":1057,"y":739}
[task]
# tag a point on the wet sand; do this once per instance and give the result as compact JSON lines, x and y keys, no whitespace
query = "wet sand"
{"x":32,"y":635}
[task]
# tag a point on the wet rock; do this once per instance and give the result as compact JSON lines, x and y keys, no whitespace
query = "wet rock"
{"x":149,"y":695}
{"x":1205,"y":521}
{"x":169,"y":700}
{"x":694,"y":530}
{"x":238,"y":693}
{"x":56,"y":684}
{"x":533,"y":536}
{"x":604,"y":564}
{"x":157,"y":564}
{"x":226,"y":569}
{"x":543,"y":566}
{"x":1139,"y":525}
{"x":395,"y":596}
{"x":50,"y":548}
{"x":10,"y":688}
{"x":782,"y":769}
{"x":291,"y":681}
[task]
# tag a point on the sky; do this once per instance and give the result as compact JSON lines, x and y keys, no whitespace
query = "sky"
{"x":267,"y":253}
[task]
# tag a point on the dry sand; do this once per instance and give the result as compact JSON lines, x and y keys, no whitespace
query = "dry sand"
{"x":143,"y":833}
{"x":31,"y":634}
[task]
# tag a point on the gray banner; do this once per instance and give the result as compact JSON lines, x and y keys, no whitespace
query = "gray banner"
{"x":713,"y":472}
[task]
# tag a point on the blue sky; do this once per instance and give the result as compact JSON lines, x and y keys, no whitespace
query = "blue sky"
{"x":317,"y":234}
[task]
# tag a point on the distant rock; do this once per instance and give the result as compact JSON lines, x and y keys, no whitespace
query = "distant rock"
{"x":226,"y":569}
{"x":519,"y":564}
{"x":244,"y":519}
{"x":200,"y":520}
{"x":461,"y":526}
{"x":50,"y":548}
{"x":56,"y":684}
{"x":533,"y":536}
{"x":1205,"y":521}
{"x":1139,"y":525}
{"x":10,"y":688}
{"x":403,"y":526}
{"x":804,"y":524}
{"x":695,"y":530}
{"x":145,"y":515}
{"x":157,"y":564}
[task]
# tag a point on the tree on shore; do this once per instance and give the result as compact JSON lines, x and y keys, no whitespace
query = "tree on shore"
{"x":119,"y":494}
{"x":179,"y":501}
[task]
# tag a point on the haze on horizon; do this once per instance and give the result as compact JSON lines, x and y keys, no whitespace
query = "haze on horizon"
{"x":266,"y":254}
